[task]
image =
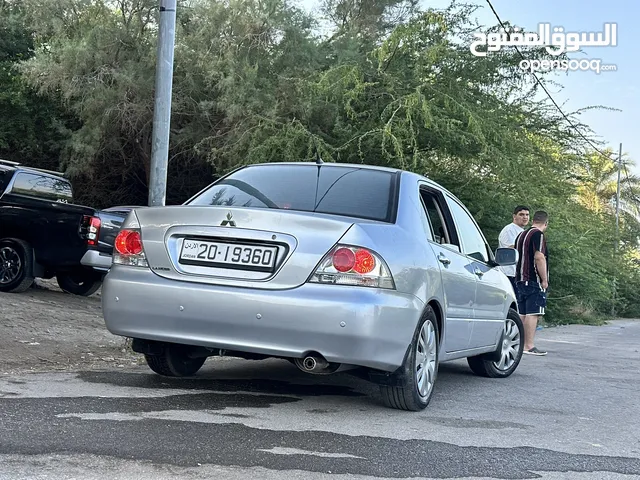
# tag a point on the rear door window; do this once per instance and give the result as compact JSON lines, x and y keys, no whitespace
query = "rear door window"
{"x":435,"y":217}
{"x":338,"y":190}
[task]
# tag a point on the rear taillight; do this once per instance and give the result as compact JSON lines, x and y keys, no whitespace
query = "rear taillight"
{"x":128,"y":242}
{"x":128,"y":249}
{"x":350,"y":265}
{"x":91,"y":227}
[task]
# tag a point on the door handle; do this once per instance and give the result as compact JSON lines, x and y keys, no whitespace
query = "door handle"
{"x":444,"y":260}
{"x":478,"y":272}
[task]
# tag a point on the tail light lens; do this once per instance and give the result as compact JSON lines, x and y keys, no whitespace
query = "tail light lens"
{"x":128,"y":249}
{"x":350,"y":265}
{"x":91,"y":229}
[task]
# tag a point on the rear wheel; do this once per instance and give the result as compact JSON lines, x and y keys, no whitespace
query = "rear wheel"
{"x":174,"y":361}
{"x":420,"y":370}
{"x":504,"y":361}
{"x":79,"y":282}
{"x":16,"y":265}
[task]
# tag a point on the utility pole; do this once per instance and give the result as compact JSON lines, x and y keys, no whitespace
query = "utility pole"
{"x":618,"y":196}
{"x":615,"y":279}
{"x":162,"y":104}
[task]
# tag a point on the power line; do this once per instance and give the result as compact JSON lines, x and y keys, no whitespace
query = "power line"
{"x":630,"y":187}
{"x":633,"y":194}
{"x":545,"y":89}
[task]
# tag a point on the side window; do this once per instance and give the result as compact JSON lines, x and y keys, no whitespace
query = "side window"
{"x":435,"y":217}
{"x":5,"y":177}
{"x":473,"y":243}
{"x":43,"y":187}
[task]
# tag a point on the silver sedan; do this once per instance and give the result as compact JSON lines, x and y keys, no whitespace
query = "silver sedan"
{"x":334,"y":267}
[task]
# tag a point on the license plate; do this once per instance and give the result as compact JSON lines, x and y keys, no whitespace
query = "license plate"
{"x":228,"y":255}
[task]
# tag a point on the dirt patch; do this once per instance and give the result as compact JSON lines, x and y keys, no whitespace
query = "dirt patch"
{"x":45,"y":329}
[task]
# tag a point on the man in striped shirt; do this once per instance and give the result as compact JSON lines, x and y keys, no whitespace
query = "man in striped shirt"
{"x":532,"y":278}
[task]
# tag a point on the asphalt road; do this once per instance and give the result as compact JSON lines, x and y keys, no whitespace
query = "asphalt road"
{"x":572,"y":414}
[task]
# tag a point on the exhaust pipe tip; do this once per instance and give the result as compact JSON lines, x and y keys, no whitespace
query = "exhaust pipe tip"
{"x":310,"y":363}
{"x":315,"y":363}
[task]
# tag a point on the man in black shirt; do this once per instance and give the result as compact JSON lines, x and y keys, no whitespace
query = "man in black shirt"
{"x":532,"y":278}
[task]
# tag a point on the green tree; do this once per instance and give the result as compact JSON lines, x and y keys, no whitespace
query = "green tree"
{"x":388,"y":83}
{"x":33,"y":128}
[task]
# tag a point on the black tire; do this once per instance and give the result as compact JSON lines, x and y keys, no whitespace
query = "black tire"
{"x":174,"y":361}
{"x":16,"y":255}
{"x":487,"y":365}
{"x":408,"y":397}
{"x":79,"y":282}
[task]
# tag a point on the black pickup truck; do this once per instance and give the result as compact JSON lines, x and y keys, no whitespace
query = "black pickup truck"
{"x":43,"y":234}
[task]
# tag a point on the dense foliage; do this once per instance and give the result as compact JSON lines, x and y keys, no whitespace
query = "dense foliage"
{"x":388,"y":84}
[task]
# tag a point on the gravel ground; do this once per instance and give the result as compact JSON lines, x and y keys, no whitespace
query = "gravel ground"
{"x":45,"y":329}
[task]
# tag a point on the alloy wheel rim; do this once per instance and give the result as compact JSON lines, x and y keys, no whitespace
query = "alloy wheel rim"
{"x":10,"y":265}
{"x":425,"y":365}
{"x":510,"y":347}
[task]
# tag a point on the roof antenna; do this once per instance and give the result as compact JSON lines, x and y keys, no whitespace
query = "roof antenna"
{"x":317,"y":153}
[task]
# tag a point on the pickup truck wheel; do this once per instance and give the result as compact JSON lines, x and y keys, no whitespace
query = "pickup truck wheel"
{"x":504,"y":361}
{"x":420,"y":370}
{"x":82,"y":283}
{"x":174,"y":361}
{"x":16,"y":265}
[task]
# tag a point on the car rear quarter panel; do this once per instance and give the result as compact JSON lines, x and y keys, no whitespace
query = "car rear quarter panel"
{"x":404,"y":246}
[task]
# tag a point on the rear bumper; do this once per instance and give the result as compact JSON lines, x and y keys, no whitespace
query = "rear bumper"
{"x":350,"y":325}
{"x":95,"y":259}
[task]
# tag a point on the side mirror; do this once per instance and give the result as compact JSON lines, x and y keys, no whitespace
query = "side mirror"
{"x":506,"y":256}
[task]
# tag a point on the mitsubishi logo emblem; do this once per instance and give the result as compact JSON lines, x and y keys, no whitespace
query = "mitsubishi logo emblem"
{"x":229,"y":221}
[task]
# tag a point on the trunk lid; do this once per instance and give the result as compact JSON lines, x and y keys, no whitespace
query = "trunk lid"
{"x":250,"y":247}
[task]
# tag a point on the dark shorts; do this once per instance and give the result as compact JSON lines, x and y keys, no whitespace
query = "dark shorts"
{"x":513,"y":284}
{"x":531,"y":299}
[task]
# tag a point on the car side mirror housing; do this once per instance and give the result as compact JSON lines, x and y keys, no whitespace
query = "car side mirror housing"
{"x":506,"y":256}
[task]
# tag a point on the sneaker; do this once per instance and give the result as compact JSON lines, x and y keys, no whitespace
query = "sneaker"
{"x":535,"y":351}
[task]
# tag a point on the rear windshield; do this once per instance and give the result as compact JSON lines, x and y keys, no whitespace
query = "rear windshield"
{"x":42,"y":186}
{"x":338,"y":190}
